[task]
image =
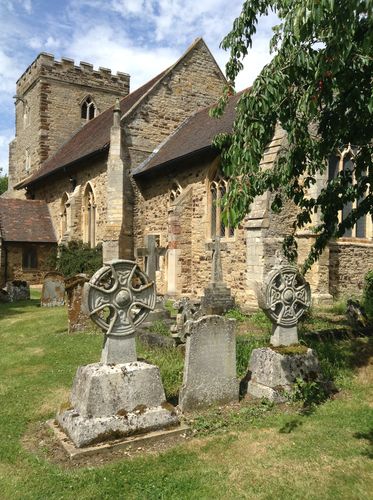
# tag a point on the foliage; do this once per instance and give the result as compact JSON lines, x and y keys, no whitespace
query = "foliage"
{"x":3,"y":182}
{"x":244,"y":348}
{"x":235,"y":314}
{"x":78,"y":257}
{"x":309,"y":392}
{"x":319,"y":87}
{"x":160,"y":327}
{"x":169,"y":306}
{"x":368,"y":293}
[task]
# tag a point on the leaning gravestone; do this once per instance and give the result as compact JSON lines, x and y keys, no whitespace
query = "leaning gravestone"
{"x":210,"y":364}
{"x":53,"y":292}
{"x":18,"y":290}
{"x":78,"y":320}
{"x":119,"y":396}
{"x":284,"y":297}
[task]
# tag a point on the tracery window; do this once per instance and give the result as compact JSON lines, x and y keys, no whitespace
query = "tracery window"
{"x":218,"y":188}
{"x":175,"y":191}
{"x":65,"y":205}
{"x":88,"y":109}
{"x":343,"y":161}
{"x":89,"y":216}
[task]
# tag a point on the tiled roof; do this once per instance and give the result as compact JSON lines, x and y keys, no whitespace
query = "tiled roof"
{"x":90,"y":139}
{"x":26,"y":221}
{"x":195,"y":134}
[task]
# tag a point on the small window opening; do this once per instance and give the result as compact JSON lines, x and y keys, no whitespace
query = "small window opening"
{"x":88,"y":109}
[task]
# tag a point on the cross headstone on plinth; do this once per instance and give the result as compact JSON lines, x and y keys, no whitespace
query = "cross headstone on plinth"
{"x":217,"y":297}
{"x":284,"y":297}
{"x":118,"y":298}
{"x":120,"y":396}
{"x":151,"y":252}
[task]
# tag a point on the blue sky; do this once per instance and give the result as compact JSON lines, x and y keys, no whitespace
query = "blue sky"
{"x":139,"y":37}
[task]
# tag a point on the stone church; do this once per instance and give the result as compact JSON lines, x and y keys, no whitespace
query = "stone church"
{"x":93,"y":161}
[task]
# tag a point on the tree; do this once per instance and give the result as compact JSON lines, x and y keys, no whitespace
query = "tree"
{"x":3,"y":182}
{"x":319,"y":87}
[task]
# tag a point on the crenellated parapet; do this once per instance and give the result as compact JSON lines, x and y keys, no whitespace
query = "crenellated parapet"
{"x":45,"y":65}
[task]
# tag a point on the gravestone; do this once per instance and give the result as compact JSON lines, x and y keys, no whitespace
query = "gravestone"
{"x":210,"y":364}
{"x":217,"y":297}
{"x":53,"y":292}
{"x":119,"y":396}
{"x":18,"y":290}
{"x":78,"y":320}
{"x":187,"y":310}
{"x":285,"y":296}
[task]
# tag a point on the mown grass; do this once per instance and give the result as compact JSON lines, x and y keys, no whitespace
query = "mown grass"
{"x":246,"y":451}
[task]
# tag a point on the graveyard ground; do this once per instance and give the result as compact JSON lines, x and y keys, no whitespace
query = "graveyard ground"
{"x":248,"y":450}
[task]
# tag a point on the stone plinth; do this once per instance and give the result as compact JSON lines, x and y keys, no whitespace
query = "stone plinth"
{"x":210,"y":363}
{"x":273,"y":374}
{"x":112,"y":401}
{"x":217,"y":299}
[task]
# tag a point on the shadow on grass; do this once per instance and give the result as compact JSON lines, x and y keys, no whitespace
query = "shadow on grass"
{"x":367,"y":436}
{"x":13,"y":308}
{"x":290,"y":426}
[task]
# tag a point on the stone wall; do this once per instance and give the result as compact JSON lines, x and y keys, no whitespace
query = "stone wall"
{"x":349,"y":262}
{"x":93,"y":171}
{"x":53,"y":91}
{"x":183,"y":227}
{"x":15,"y":269}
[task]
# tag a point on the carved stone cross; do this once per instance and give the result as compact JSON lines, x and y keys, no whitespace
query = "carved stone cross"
{"x":151,"y":252}
{"x":217,"y":271}
{"x":119,"y":297}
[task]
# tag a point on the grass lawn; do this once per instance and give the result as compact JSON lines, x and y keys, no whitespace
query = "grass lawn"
{"x":251,"y":450}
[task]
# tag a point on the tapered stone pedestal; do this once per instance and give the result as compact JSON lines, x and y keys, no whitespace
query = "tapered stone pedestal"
{"x":115,"y":401}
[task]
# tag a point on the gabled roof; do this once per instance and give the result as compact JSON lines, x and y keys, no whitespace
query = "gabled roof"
{"x":193,"y":136}
{"x":91,"y":139}
{"x":25,"y":221}
{"x":94,"y":137}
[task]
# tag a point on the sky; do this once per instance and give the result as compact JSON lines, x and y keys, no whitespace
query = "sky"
{"x":139,"y":37}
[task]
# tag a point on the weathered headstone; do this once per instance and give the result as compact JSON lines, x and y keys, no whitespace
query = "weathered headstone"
{"x":18,"y":290}
{"x":186,"y":311}
{"x":210,"y":364}
{"x":217,"y":297}
{"x":78,"y":320}
{"x":284,"y":297}
{"x":119,"y":396}
{"x":53,"y":292}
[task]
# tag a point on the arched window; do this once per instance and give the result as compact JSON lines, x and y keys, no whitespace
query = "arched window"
{"x":26,"y":115}
{"x":63,"y":213}
{"x":343,"y":161}
{"x":218,"y":188}
{"x":175,"y":191}
{"x":89,"y":216}
{"x":88,"y":109}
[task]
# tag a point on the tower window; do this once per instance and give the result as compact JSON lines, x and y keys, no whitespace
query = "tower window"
{"x":88,"y":109}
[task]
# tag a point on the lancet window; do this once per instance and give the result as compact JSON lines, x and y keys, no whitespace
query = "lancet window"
{"x":89,"y":216}
{"x":63,"y":213}
{"x":88,"y":109}
{"x":218,"y":188}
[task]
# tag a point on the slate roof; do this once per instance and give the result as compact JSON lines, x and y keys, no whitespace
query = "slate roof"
{"x":194,"y":135}
{"x":91,"y":139}
{"x":26,"y":221}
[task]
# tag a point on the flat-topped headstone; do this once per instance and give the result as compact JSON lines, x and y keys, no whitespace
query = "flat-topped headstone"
{"x":53,"y":292}
{"x":119,"y":396}
{"x":210,"y":364}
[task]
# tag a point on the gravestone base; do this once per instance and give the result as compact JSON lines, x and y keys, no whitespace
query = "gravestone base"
{"x":217,"y":299}
{"x":284,"y":335}
{"x":273,"y":374}
{"x":115,"y":401}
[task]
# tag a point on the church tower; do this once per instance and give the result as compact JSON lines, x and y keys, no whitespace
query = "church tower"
{"x":53,"y":100}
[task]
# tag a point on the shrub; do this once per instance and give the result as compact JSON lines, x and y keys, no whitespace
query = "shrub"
{"x":368,"y":293}
{"x":78,"y":257}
